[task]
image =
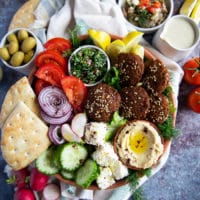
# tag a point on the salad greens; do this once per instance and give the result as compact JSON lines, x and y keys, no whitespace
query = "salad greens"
{"x":116,"y":122}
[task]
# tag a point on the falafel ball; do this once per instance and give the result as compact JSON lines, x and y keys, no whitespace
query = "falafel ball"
{"x":159,"y":109}
{"x":131,"y":68}
{"x":135,"y":103}
{"x":101,"y":103}
{"x":156,"y":77}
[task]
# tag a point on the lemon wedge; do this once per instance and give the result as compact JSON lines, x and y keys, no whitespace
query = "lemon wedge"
{"x":132,"y":39}
{"x":100,"y":38}
{"x":138,"y":50}
{"x":115,"y":48}
{"x":187,"y":7}
{"x":196,"y":12}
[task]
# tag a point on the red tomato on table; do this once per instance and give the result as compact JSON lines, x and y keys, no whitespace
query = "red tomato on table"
{"x":75,"y":91}
{"x":58,"y":44}
{"x":50,"y":56}
{"x":192,"y":71}
{"x":194,"y":100}
{"x":50,"y":73}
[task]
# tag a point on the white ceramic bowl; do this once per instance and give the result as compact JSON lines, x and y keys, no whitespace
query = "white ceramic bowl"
{"x":131,"y":26}
{"x":25,"y":68}
{"x":90,"y":47}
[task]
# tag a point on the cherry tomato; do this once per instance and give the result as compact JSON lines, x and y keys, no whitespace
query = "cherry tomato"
{"x":75,"y":91}
{"x":39,"y":85}
{"x":194,"y":100}
{"x":58,"y":44}
{"x":50,"y":56}
{"x":192,"y":71}
{"x":50,"y":73}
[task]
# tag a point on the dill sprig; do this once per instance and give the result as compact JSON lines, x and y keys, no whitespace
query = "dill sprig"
{"x":167,"y":130}
{"x":133,"y":182}
{"x":75,"y":40}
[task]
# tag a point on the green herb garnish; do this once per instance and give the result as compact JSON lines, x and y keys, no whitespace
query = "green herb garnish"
{"x":133,"y":182}
{"x":116,"y":122}
{"x":112,"y":78}
{"x":75,"y":39}
{"x":167,"y":130}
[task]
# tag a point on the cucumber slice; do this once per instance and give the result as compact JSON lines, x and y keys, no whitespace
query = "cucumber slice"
{"x":72,"y":156}
{"x":44,"y":162}
{"x":67,"y":174}
{"x":87,"y":173}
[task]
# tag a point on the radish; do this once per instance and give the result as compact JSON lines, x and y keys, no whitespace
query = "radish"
{"x":68,"y":134}
{"x":38,"y":180}
{"x":78,"y":123}
{"x":51,"y":192}
{"x":24,"y":194}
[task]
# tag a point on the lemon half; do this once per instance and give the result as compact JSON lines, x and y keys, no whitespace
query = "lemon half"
{"x":132,"y":39}
{"x":100,"y":38}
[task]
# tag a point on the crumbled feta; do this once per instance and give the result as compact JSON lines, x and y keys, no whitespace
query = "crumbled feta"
{"x":133,"y":2}
{"x":119,"y":170}
{"x":105,"y":155}
{"x":95,"y":133}
{"x":105,"y":179}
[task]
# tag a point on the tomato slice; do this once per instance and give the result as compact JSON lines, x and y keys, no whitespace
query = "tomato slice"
{"x":75,"y":91}
{"x":58,"y":44}
{"x":194,"y":100}
{"x":50,"y":56}
{"x":39,"y":85}
{"x":50,"y":73}
{"x":192,"y":71}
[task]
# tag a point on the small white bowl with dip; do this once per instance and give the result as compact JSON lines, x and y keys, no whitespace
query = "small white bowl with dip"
{"x":177,"y":38}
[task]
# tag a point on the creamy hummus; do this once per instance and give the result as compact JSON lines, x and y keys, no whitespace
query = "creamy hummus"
{"x":138,"y":144}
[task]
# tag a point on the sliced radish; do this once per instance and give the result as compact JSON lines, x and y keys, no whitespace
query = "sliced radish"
{"x":78,"y":124}
{"x":51,"y":192}
{"x":68,"y":134}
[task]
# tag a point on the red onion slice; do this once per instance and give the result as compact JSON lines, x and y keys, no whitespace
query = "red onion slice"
{"x":55,"y":134}
{"x":53,"y":102}
{"x":57,"y":120}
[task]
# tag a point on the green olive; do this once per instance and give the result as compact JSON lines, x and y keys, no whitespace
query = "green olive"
{"x":22,"y":35}
{"x":13,"y":47}
{"x":12,"y":37}
{"x":4,"y":54}
{"x":28,"y":44}
{"x":28,"y":56}
{"x":17,"y":59}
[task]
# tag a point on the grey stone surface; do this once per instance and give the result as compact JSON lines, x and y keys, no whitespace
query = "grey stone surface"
{"x":180,"y":177}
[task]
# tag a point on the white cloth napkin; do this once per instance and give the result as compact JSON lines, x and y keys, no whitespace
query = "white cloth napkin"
{"x":104,"y":15}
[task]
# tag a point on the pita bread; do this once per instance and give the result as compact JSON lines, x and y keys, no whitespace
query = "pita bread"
{"x":20,"y":91}
{"x":24,"y":137}
{"x":25,"y":15}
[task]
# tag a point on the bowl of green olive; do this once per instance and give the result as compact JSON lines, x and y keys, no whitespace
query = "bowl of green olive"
{"x":18,"y":49}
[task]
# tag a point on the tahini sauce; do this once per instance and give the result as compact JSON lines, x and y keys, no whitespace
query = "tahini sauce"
{"x":179,"y":33}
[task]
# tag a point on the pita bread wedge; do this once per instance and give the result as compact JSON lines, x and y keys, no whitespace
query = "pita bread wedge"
{"x":24,"y":137}
{"x":20,"y":91}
